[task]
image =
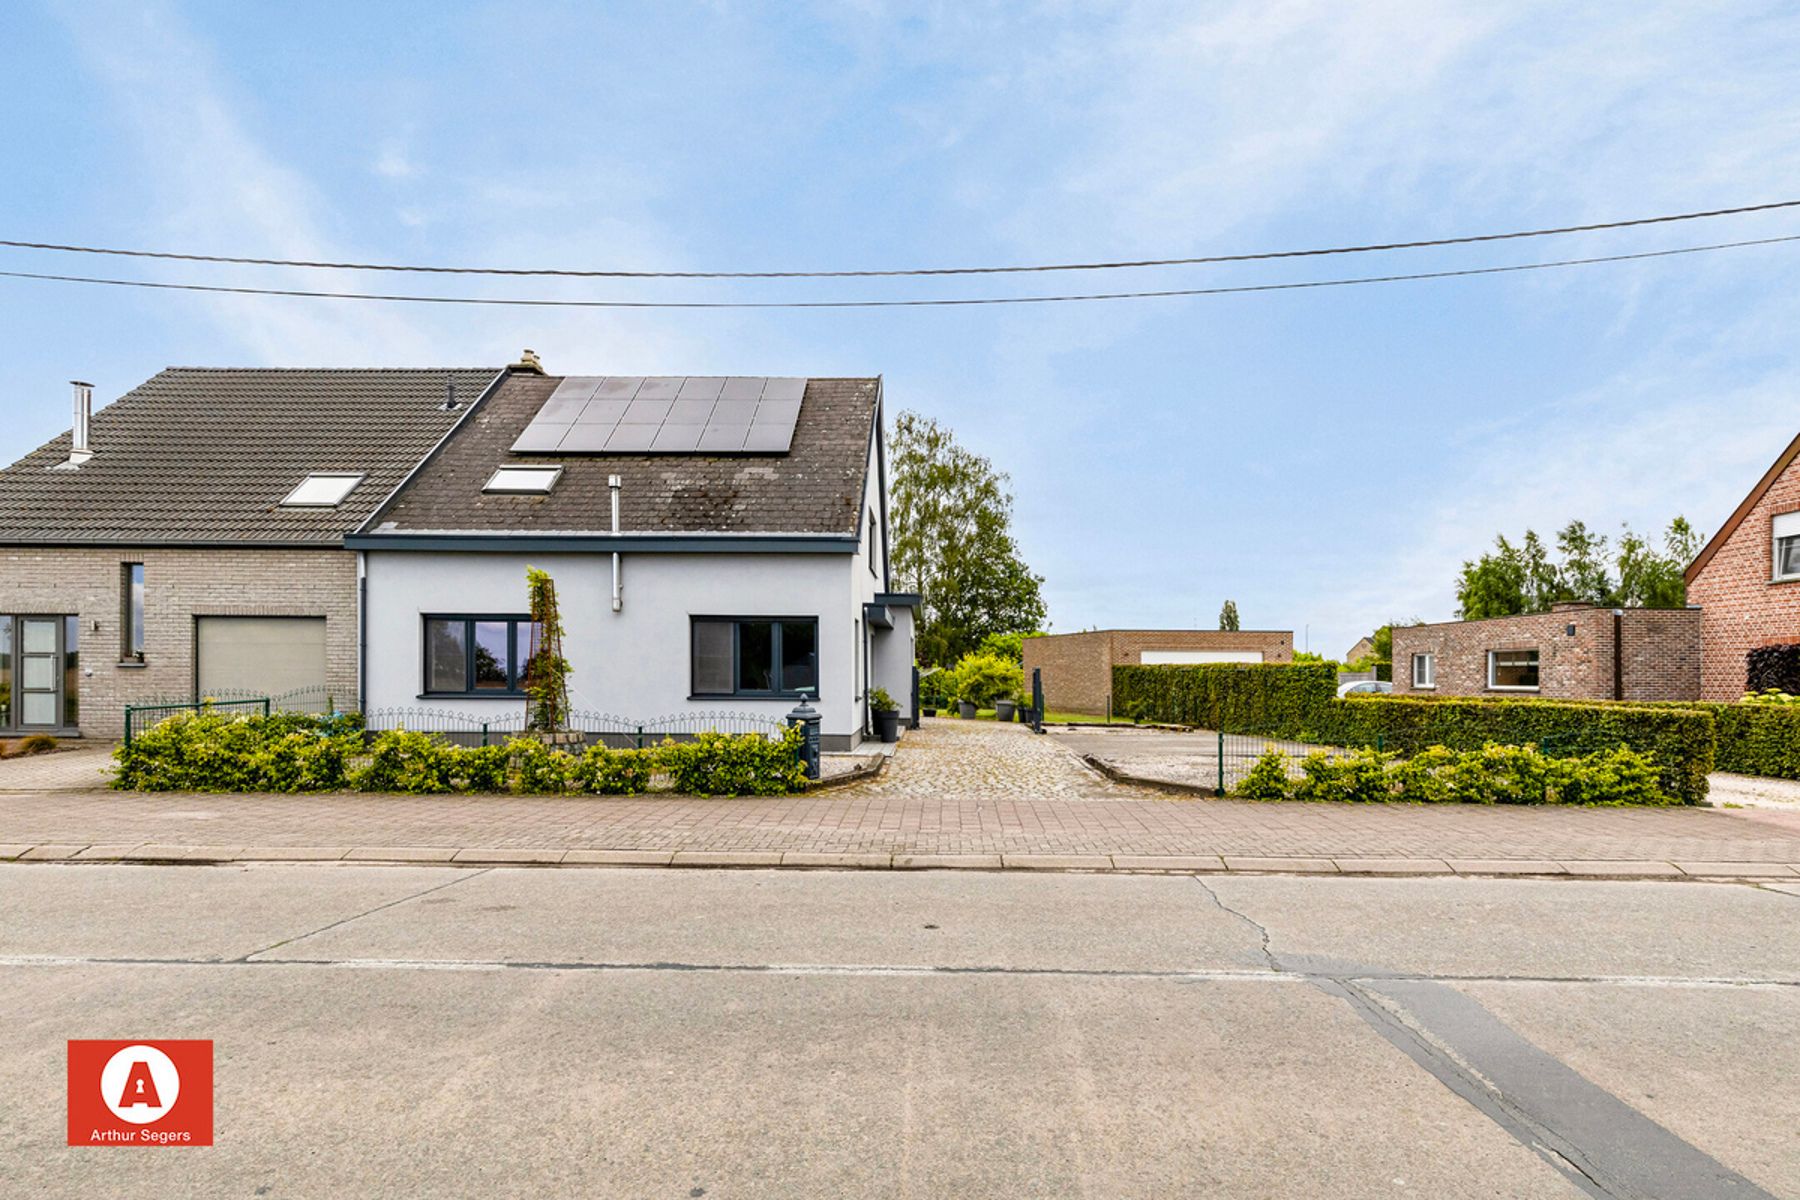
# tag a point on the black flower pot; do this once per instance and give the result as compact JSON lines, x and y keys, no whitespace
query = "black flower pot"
{"x":965,"y":710}
{"x":887,"y":725}
{"x":1003,"y":710}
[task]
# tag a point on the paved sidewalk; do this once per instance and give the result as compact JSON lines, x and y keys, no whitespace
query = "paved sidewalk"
{"x":955,"y":795}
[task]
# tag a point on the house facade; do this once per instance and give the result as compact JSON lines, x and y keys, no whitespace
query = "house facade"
{"x":717,"y":545}
{"x":1572,"y":652}
{"x":1747,"y":579}
{"x":187,"y":539}
{"x":1077,"y":667}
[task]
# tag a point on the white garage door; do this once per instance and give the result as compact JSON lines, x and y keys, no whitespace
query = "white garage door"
{"x":265,"y":656}
{"x":1151,"y":658}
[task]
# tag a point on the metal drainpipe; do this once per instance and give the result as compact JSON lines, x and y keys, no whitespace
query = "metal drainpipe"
{"x":613,"y":483}
{"x":1618,"y":654}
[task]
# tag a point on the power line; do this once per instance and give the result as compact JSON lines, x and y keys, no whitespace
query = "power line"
{"x":1260,"y":256}
{"x":529,"y":302}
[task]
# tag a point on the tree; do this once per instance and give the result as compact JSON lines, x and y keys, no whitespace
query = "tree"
{"x":1228,"y":618}
{"x":953,"y":543}
{"x":1524,"y":578}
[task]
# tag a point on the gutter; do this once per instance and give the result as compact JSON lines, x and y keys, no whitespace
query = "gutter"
{"x":542,"y":543}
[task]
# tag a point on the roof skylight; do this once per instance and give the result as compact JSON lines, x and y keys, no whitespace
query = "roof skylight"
{"x":524,"y":481}
{"x":322,"y":490}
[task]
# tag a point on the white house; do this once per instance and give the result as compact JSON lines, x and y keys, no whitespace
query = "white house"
{"x":717,"y":544}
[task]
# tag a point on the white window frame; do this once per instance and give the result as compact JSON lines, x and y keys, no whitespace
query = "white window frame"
{"x":351,"y":481}
{"x":1782,"y":527}
{"x":1429,"y":661}
{"x":519,"y":480}
{"x":1492,"y":655}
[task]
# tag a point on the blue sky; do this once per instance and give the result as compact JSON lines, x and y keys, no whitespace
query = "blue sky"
{"x":1324,"y":458}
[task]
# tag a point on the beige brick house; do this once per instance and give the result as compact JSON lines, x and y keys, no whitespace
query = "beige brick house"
{"x":1077,"y":667}
{"x":1747,"y":578}
{"x":1572,"y":652}
{"x":187,"y":539}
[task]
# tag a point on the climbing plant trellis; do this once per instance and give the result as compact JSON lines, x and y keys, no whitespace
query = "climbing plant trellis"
{"x":546,"y":670}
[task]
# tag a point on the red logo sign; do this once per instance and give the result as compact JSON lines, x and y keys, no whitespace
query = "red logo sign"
{"x":140,"y":1093}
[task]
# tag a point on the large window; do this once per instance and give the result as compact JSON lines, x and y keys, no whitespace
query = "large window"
{"x":1424,"y":668}
{"x":131,"y":612}
{"x":1513,"y":670}
{"x":1787,"y":546}
{"x":755,"y":656}
{"x":476,"y":656}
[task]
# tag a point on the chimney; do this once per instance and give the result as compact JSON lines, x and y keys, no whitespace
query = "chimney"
{"x":528,"y":361}
{"x":79,"y":450}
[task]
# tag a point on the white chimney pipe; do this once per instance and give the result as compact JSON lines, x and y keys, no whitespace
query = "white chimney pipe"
{"x":613,"y":483}
{"x":79,"y":449}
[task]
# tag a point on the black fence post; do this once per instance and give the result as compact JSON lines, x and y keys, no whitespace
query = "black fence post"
{"x":914,"y":723}
{"x":1037,"y":699}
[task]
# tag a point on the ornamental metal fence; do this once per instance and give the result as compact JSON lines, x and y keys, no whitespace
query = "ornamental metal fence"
{"x":609,"y":729}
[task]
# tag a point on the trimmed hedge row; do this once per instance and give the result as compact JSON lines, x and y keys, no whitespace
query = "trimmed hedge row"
{"x":1299,"y":703}
{"x":1491,"y":775}
{"x":1278,"y":700}
{"x":1755,"y":739}
{"x":210,"y":752}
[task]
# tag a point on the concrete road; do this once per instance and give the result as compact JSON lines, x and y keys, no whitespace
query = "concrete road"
{"x":392,"y":1031}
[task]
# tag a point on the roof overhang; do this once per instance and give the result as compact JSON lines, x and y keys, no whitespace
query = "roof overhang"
{"x":900,"y":599}
{"x":602,"y":543}
{"x":1743,"y":510}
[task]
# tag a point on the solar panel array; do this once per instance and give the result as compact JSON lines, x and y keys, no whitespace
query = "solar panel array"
{"x":665,"y":414}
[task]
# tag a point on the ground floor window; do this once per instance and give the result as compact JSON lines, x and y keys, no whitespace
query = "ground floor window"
{"x":1424,"y":671}
{"x":40,"y":672}
{"x":476,"y":656}
{"x":755,"y":656}
{"x":1516,"y":669}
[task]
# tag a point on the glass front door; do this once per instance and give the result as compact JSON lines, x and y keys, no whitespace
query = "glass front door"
{"x":40,"y":672}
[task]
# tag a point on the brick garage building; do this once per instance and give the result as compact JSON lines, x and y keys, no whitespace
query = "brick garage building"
{"x":1077,"y":667}
{"x":1572,"y":652}
{"x":1747,"y":579}
{"x":188,"y":538}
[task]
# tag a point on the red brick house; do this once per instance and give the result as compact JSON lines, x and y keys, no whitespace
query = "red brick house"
{"x":1572,"y":652}
{"x":1747,"y":579}
{"x":1077,"y":667}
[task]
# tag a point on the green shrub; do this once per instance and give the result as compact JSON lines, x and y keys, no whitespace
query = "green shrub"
{"x":881,"y":701}
{"x":1267,"y":779}
{"x":540,"y":769}
{"x":208,"y":751}
{"x":482,"y":768}
{"x":1756,"y":738}
{"x":401,"y":760}
{"x":305,"y":762}
{"x":34,"y":743}
{"x":981,"y":679}
{"x":1494,"y":774}
{"x":718,"y":764}
{"x":1273,"y":700}
{"x":607,"y":772}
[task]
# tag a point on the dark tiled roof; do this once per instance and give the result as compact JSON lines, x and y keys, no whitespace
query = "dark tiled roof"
{"x":200,"y":455}
{"x":817,"y":487}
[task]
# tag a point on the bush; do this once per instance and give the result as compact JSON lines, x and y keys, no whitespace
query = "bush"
{"x":1755,"y":738}
{"x":401,"y":760}
{"x":981,"y":679}
{"x":1267,"y":779}
{"x":1773,"y":668}
{"x":1274,"y":700}
{"x":483,"y":768}
{"x":206,"y":751}
{"x":881,"y":701}
{"x":1494,"y":774}
{"x":607,"y":772}
{"x":719,"y":764}
{"x":540,"y":769}
{"x":34,"y":743}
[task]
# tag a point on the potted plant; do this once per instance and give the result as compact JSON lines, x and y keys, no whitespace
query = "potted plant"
{"x":1003,"y":708}
{"x":886,"y":715}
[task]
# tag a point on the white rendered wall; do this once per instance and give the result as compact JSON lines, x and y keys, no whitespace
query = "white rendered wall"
{"x":634,"y":663}
{"x":1190,"y":657}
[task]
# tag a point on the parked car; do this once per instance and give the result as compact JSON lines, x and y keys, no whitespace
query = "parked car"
{"x":1359,"y":687}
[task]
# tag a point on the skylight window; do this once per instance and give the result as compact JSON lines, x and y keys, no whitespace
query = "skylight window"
{"x":322,"y":490}
{"x":524,"y":481}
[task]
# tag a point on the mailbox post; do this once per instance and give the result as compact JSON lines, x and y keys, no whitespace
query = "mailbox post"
{"x":807,"y":717}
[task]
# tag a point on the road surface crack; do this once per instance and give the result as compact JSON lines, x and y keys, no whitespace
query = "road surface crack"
{"x":1262,"y":931}
{"x":300,"y":937}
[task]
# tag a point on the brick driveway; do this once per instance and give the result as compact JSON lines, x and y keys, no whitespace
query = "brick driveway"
{"x":953,"y":788}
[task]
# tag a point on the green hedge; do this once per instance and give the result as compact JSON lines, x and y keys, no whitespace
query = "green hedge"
{"x":1494,"y":774}
{"x":1299,"y":703}
{"x":1276,"y":700}
{"x":211,"y":752}
{"x":1755,"y":739}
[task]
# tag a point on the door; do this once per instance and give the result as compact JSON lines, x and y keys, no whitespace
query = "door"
{"x":40,"y":672}
{"x":260,"y":656}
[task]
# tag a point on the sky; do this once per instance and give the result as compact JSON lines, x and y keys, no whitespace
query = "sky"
{"x":1326,"y":458}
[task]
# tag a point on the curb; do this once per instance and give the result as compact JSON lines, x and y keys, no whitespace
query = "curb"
{"x":1109,"y":864}
{"x":848,"y":777}
{"x":1161,"y":785}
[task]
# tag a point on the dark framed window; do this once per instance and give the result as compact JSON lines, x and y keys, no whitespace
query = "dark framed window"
{"x":874,"y":553}
{"x":755,"y":656}
{"x":131,"y":612}
{"x":1513,"y":669}
{"x":476,"y":655}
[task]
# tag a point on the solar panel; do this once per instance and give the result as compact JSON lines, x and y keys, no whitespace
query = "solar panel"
{"x":666,"y":414}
